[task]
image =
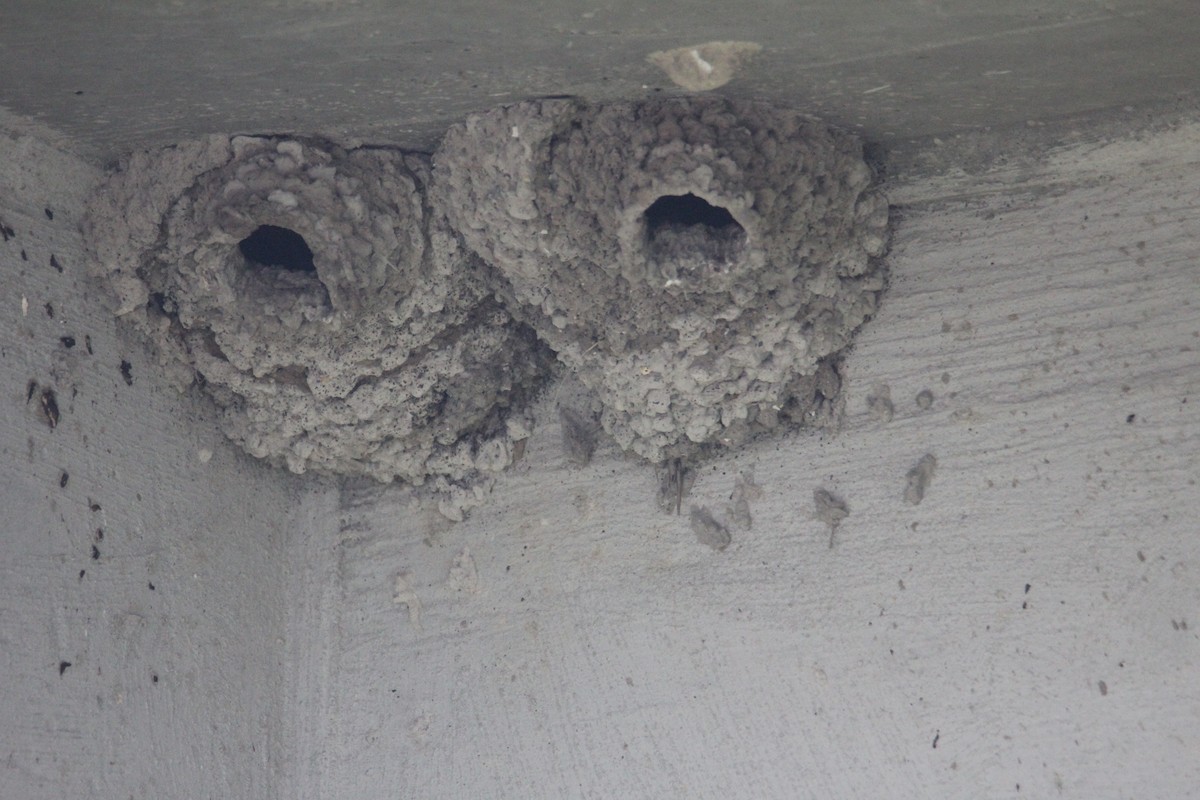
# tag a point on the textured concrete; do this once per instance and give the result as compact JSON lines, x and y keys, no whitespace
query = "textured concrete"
{"x":1028,"y":629}
{"x":141,"y":583}
{"x":129,"y":74}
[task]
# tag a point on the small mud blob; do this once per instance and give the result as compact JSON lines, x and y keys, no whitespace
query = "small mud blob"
{"x":675,"y":481}
{"x":708,"y":531}
{"x":701,"y":67}
{"x":579,"y":432}
{"x":312,"y":293}
{"x":879,"y":402}
{"x":699,"y":263}
{"x":831,"y":510}
{"x":925,"y":399}
{"x":919,"y":478}
{"x":738,"y":512}
{"x":739,"y":515}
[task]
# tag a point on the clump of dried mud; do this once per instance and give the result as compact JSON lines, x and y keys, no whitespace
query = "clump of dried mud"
{"x":383,"y":355}
{"x":699,"y":264}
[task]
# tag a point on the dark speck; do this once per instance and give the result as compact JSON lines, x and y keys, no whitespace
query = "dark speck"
{"x":153,"y":678}
{"x":99,"y":534}
{"x":94,"y":507}
{"x":78,"y":92}
{"x":126,"y":372}
{"x":87,"y":342}
{"x":62,"y":480}
{"x":1027,"y":588}
{"x":1129,"y":420}
{"x":95,"y":553}
{"x":50,"y":408}
{"x":62,"y":667}
{"x":24,"y":256}
{"x":151,"y":585}
{"x":579,"y":432}
{"x":30,"y":388}
{"x":54,"y":263}
{"x":67,"y":341}
{"x":49,"y":311}
{"x":936,"y":737}
{"x":49,"y":214}
{"x":82,"y":572}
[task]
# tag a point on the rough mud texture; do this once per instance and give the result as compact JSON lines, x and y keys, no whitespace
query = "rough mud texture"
{"x":831,"y":510}
{"x":879,"y":402}
{"x":708,"y":530}
{"x":579,"y":417}
{"x":372,"y":347}
{"x":918,"y":479}
{"x":699,"y":262}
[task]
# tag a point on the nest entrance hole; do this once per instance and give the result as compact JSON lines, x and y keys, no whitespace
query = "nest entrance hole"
{"x":689,"y":238}
{"x":687,"y":209}
{"x":278,"y":248}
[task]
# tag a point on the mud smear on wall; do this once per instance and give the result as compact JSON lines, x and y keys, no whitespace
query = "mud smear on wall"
{"x":701,"y":67}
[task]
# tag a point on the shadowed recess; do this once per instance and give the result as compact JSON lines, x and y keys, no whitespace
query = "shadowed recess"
{"x":280,"y":248}
{"x":687,"y":209}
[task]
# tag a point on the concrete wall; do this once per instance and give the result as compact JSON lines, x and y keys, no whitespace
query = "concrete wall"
{"x":141,"y":584}
{"x":385,"y":71}
{"x":1030,"y":629}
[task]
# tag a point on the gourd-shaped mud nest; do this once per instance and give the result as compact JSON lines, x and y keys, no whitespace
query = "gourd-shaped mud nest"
{"x":320,"y":302}
{"x":700,"y":263}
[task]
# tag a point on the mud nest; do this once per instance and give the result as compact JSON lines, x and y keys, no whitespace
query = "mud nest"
{"x":323,"y":306}
{"x":700,"y":263}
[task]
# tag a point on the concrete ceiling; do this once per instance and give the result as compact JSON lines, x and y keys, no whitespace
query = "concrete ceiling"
{"x":134,"y":73}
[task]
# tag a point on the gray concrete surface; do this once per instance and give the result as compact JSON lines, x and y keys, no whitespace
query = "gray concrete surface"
{"x":1026,"y":630}
{"x":122,"y":75}
{"x":1029,"y":629}
{"x":141,"y":576}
